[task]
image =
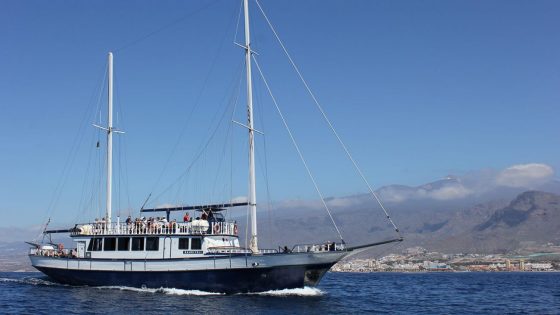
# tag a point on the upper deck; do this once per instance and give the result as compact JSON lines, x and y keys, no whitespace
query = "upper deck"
{"x":195,"y":227}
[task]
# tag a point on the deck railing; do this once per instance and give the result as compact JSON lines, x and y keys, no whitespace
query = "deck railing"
{"x":199,"y":227}
{"x":325,"y":247}
{"x":237,"y":250}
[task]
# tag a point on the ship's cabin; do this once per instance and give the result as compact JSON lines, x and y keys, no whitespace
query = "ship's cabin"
{"x":208,"y":232}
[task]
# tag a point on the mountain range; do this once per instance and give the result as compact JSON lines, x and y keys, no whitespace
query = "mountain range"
{"x":499,"y":220}
{"x":471,"y":214}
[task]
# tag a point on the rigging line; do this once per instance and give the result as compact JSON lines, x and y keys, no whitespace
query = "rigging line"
{"x":71,"y":156}
{"x":119,"y":149}
{"x":194,"y":108}
{"x":83,"y":198}
{"x":264,"y":165}
{"x":232,"y":87}
{"x":233,"y":101}
{"x":95,"y":135}
{"x":328,"y":121}
{"x":100,"y":167}
{"x":166,"y":26}
{"x":197,"y":156}
{"x":297,"y":148}
{"x":232,"y":135}
{"x":237,"y":23}
{"x":122,"y":143}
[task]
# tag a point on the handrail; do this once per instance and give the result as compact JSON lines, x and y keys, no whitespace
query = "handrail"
{"x":196,"y":227}
{"x":324,"y":247}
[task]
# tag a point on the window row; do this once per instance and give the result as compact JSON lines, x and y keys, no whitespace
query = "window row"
{"x":138,"y":243}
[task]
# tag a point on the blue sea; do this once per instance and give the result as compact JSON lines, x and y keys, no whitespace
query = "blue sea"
{"x":338,"y":293}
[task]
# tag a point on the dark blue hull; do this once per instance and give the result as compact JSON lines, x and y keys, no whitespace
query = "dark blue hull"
{"x":227,"y":281}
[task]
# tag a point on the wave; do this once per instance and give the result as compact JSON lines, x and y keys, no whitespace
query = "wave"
{"x":31,"y":281}
{"x":169,"y":291}
{"x":306,"y":291}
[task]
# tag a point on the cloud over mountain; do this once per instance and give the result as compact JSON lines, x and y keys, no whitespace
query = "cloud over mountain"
{"x":525,"y":175}
{"x":461,"y":191}
{"x":476,"y":183}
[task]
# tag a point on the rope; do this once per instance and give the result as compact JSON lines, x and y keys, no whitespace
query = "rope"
{"x":197,"y":156}
{"x":196,"y":105}
{"x":73,"y":152}
{"x":297,"y":149}
{"x":166,"y":26}
{"x":327,"y":119}
{"x":237,"y":23}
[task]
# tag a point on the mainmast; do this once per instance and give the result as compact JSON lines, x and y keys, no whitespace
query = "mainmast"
{"x":109,"y":138}
{"x":252,"y":189}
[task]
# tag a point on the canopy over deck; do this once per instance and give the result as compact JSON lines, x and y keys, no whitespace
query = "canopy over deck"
{"x":213,"y":207}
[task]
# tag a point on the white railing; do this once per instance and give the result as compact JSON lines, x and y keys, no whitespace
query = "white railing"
{"x":237,"y":250}
{"x":53,"y":252}
{"x":228,"y":250}
{"x":325,"y":247}
{"x":199,"y":227}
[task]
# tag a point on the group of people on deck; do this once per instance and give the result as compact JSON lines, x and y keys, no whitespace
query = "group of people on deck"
{"x":100,"y":224}
{"x":209,"y":216}
{"x":151,"y":224}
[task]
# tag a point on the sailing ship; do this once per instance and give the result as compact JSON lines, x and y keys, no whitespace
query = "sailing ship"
{"x":201,"y":254}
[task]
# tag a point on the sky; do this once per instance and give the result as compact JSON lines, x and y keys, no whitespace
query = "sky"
{"x":418,"y":90}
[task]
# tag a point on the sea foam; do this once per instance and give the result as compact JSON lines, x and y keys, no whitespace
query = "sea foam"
{"x":306,"y":291}
{"x":169,"y":291}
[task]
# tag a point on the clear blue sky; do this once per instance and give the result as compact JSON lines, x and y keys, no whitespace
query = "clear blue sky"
{"x":417,"y":89}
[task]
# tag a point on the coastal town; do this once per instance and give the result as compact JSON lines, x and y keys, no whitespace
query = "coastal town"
{"x":418,"y":259}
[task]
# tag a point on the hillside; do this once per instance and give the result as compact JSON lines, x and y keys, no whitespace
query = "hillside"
{"x":531,"y":218}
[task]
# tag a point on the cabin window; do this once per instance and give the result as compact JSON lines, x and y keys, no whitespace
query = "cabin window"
{"x":184,"y":243}
{"x":95,"y":244}
{"x":196,"y":243}
{"x":123,"y":243}
{"x":110,"y":244}
{"x":152,"y":243}
{"x":137,"y":243}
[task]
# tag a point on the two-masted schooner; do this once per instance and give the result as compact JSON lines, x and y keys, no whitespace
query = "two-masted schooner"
{"x":201,"y":254}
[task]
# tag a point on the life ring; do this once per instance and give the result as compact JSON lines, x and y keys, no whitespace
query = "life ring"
{"x":60,"y":247}
{"x":216,"y":228}
{"x":235,"y":229}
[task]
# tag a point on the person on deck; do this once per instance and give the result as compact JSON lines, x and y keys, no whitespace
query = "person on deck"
{"x":187,"y":217}
{"x":173,"y":226}
{"x":103,"y":223}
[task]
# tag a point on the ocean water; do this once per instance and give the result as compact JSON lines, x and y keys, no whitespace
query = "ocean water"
{"x":338,"y":293}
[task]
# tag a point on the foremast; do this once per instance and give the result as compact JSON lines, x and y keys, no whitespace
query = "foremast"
{"x":110,"y":130}
{"x":109,"y":138}
{"x":252,"y":185}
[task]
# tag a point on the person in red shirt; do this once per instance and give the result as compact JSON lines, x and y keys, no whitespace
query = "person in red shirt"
{"x":187,"y":217}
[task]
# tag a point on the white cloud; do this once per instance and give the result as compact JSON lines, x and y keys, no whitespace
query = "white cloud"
{"x":525,"y":175}
{"x":475,"y":183}
{"x":301,"y":204}
{"x":390,"y":194}
{"x":453,"y":191}
{"x":343,"y":202}
{"x":528,"y":176}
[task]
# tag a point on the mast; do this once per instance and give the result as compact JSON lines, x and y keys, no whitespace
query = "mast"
{"x":109,"y":138}
{"x":252,"y":189}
